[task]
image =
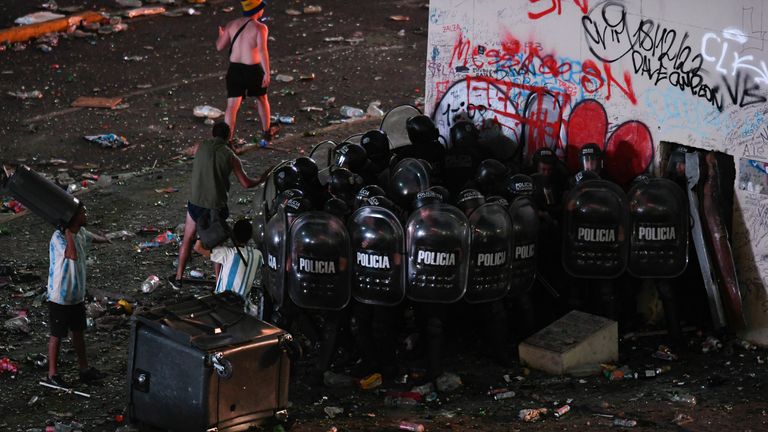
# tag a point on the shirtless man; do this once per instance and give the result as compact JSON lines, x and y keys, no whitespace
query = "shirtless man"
{"x":248,"y":73}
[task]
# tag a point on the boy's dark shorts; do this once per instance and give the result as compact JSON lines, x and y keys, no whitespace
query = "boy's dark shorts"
{"x":195,"y":211}
{"x":245,"y":80}
{"x":64,"y":318}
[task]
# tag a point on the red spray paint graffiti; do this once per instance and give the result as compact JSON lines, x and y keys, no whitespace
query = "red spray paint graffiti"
{"x":557,"y":5}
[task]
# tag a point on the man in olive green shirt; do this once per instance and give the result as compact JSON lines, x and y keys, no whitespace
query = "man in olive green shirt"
{"x":214,"y":163}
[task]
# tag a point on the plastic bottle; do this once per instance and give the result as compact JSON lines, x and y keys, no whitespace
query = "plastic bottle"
{"x":413,"y":427}
{"x":150,"y":284}
{"x":18,"y":323}
{"x":624,"y":423}
{"x":352,"y":112}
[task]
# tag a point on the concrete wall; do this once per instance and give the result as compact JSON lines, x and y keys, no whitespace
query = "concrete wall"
{"x":627,"y":74}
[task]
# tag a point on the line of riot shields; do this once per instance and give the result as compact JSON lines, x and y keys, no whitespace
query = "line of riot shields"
{"x":403,"y":215}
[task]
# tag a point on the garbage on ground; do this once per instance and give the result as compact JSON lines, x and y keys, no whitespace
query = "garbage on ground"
{"x":283,"y":78}
{"x":561,"y":411}
{"x":51,"y":5}
{"x":122,"y":235}
{"x":142,"y":11}
{"x":166,"y":237}
{"x":681,"y":419}
{"x":207,"y":111}
{"x":424,"y":389}
{"x":23,"y":95}
{"x":293,"y":12}
{"x":332,"y":411}
{"x":128,"y":3}
{"x":448,"y":382}
{"x":312,"y":9}
{"x":664,"y":353}
{"x":684,"y":398}
{"x":37,"y":17}
{"x":121,"y":307}
{"x":371,"y":381}
{"x":308,"y":77}
{"x":12,"y":206}
{"x":711,"y":344}
{"x":531,"y":414}
{"x":108,"y":140}
{"x":374,"y":109}
{"x":197,"y":274}
{"x":351,"y":112}
{"x":399,"y":18}
{"x":333,"y":379}
{"x":150,"y":284}
{"x":501,"y":393}
{"x":413,"y":427}
{"x":19,"y":323}
{"x":7,"y":366}
{"x":64,"y":389}
{"x":626,"y":423}
{"x":169,"y":189}
{"x":400,"y":399}
{"x":182,"y":11}
{"x":311,"y":108}
{"x":745,"y":345}
{"x":95,"y":310}
{"x":97,"y":102}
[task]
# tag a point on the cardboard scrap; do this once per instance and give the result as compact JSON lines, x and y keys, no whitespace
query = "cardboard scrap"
{"x":97,"y":102}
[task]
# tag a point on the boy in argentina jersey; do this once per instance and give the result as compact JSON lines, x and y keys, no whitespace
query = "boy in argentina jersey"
{"x":238,"y":270}
{"x":66,"y":294}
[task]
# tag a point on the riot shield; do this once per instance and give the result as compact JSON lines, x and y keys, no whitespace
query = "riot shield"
{"x":408,"y":178}
{"x":490,"y":252}
{"x":437,"y":240}
{"x":393,"y":124}
{"x":525,"y":235}
{"x":378,"y":246}
{"x":269,"y":191}
{"x":323,"y":154}
{"x":318,"y":268}
{"x":658,"y":213}
{"x":275,"y":243}
{"x":595,"y":223}
{"x":259,"y":218}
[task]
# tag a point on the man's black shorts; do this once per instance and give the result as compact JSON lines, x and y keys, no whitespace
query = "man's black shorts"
{"x":196,"y":211}
{"x":64,"y":318}
{"x":245,"y":80}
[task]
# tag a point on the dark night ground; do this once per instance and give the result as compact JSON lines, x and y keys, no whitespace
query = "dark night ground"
{"x":184,"y":70}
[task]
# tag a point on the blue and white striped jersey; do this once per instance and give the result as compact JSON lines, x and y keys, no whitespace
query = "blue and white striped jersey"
{"x":235,"y":275}
{"x":66,"y":277}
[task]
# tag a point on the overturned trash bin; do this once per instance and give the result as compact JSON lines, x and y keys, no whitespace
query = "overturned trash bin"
{"x":204,"y":364}
{"x":43,"y":197}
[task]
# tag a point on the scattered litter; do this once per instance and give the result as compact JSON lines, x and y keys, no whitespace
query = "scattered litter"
{"x":374,"y":109}
{"x":681,"y":419}
{"x":51,"y":6}
{"x":122,"y":235}
{"x":334,"y":39}
{"x":197,"y":274}
{"x":413,"y":427}
{"x":293,"y":12}
{"x":332,"y":411}
{"x":351,"y":112}
{"x":143,"y":11}
{"x":7,"y":366}
{"x":664,"y":353}
{"x":113,"y":28}
{"x":448,"y":382}
{"x":711,"y":344}
{"x":283,"y":78}
{"x":150,"y":284}
{"x":64,"y":389}
{"x":19,"y":323}
{"x":400,"y":399}
{"x":97,"y":102}
{"x":531,"y":415}
{"x":424,"y":389}
{"x":684,"y":398}
{"x":619,"y":422}
{"x":561,"y":411}
{"x":227,"y":9}
{"x":108,"y":140}
{"x":278,"y":119}
{"x":401,"y":33}
{"x":312,"y":9}
{"x":308,"y":77}
{"x":183,"y":11}
{"x":371,"y":381}
{"x":399,"y":18}
{"x":37,"y":17}
{"x":501,"y":393}
{"x":311,"y":108}
{"x":34,"y":94}
{"x":143,"y":86}
{"x":135,"y":58}
{"x":129,"y":3}
{"x":169,"y":189}
{"x":207,"y":111}
{"x":33,"y":400}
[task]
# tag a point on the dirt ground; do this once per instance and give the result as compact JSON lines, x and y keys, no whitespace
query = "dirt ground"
{"x":179,"y":69}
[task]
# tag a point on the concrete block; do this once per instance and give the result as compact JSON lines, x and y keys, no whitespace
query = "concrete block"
{"x":576,"y":339}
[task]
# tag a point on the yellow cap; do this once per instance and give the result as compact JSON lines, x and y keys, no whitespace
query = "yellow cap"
{"x":251,"y":7}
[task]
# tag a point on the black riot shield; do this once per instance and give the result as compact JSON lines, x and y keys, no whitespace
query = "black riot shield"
{"x":393,"y":124}
{"x":595,"y":223}
{"x":275,"y":243}
{"x":407,"y":179}
{"x":658,"y":214}
{"x":437,"y":238}
{"x":318,"y":268}
{"x":259,"y":219}
{"x":490,"y":252}
{"x":323,"y":155}
{"x":378,"y":245}
{"x":525,"y":236}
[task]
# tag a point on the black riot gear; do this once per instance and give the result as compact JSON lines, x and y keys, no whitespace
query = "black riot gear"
{"x":518,"y":185}
{"x":408,"y":178}
{"x":376,"y":145}
{"x":351,"y":156}
{"x":366,"y":192}
{"x":421,"y":129}
{"x":658,"y":245}
{"x":490,"y":252}
{"x":337,"y":207}
{"x":286,"y":177}
{"x":425,"y":198}
{"x":445,"y":195}
{"x":344,"y":184}
{"x":591,"y":158}
{"x":468,"y":200}
{"x":464,"y":134}
{"x":490,"y":174}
